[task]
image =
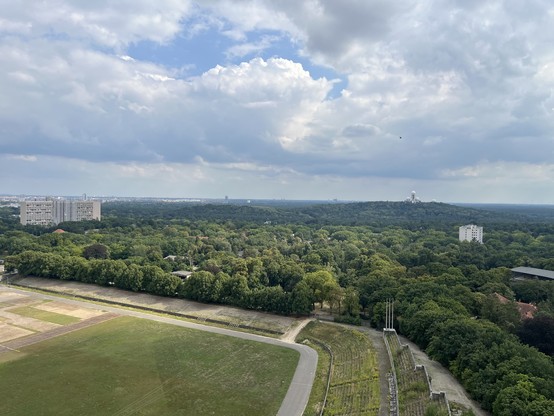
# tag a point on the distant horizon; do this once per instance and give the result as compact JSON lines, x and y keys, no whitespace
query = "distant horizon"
{"x":223,"y":199}
{"x":319,"y":100}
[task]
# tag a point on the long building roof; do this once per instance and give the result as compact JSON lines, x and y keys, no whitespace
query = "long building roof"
{"x":547,"y":274}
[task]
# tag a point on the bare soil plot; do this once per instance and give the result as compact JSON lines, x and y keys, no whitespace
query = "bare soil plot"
{"x":9,"y":332}
{"x":26,"y":322}
{"x":70,"y":310}
{"x":60,"y":330}
{"x":23,"y":316}
{"x":11,"y":296}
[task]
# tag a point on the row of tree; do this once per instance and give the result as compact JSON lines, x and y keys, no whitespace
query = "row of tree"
{"x":203,"y":285}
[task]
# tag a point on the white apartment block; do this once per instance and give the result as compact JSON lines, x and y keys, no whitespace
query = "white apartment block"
{"x":471,"y":232}
{"x":54,"y":211}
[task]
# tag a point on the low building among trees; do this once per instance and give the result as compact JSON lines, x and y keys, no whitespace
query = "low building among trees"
{"x":532,"y":273}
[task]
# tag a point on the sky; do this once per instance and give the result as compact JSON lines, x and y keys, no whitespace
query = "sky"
{"x":279,"y":99}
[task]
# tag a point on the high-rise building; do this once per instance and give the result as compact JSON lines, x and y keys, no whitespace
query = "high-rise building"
{"x":53,"y":211}
{"x":471,"y":232}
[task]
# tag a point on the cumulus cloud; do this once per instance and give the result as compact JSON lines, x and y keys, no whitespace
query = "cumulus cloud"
{"x":460,"y":82}
{"x":97,"y":106}
{"x":103,"y":22}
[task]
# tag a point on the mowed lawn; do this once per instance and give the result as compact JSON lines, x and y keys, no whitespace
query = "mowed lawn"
{"x":130,"y":366}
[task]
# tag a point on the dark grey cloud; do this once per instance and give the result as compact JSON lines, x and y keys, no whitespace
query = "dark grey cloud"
{"x":360,"y":130}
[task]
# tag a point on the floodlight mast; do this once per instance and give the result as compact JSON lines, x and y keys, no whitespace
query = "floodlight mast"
{"x":386,"y":314}
{"x":392,"y":315}
{"x":389,"y":314}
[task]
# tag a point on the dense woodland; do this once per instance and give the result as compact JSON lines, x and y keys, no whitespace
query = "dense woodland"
{"x":350,"y":258}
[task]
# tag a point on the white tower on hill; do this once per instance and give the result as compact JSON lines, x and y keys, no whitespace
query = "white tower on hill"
{"x":412,"y":199}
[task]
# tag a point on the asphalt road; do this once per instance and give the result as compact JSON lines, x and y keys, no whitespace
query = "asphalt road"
{"x":299,"y":390}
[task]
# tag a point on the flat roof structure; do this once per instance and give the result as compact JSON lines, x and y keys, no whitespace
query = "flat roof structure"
{"x":183,"y":274}
{"x":534,"y":273}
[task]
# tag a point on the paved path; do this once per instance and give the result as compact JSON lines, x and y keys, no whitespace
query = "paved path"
{"x":443,"y":380}
{"x":299,"y":390}
{"x":291,"y":334}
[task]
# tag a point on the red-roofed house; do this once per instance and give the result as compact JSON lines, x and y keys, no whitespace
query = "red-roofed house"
{"x":526,"y":310}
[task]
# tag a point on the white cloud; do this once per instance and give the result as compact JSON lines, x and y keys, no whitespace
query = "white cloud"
{"x":513,"y":172}
{"x":97,"y":106}
{"x":244,"y":49}
{"x":25,"y":158}
{"x":113,"y":24}
{"x":460,"y":82}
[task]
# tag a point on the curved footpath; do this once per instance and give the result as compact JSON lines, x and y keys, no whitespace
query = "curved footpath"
{"x":299,"y":390}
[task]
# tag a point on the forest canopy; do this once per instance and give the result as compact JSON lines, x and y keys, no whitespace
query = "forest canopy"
{"x":349,"y":258}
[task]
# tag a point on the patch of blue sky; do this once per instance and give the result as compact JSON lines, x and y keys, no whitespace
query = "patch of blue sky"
{"x":193,"y":55}
{"x":209,"y":48}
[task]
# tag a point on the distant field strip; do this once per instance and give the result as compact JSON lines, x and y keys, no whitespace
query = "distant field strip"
{"x":42,"y":315}
{"x":130,"y":366}
{"x":354,"y":384}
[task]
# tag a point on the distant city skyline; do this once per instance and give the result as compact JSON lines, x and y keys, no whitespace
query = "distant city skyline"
{"x":14,"y":200}
{"x":351,"y":100}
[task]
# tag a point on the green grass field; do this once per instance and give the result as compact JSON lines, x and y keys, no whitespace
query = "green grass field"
{"x":354,"y":387}
{"x":55,"y":318}
{"x":130,"y":366}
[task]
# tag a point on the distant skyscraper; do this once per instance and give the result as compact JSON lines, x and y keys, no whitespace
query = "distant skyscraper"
{"x":471,"y":232}
{"x":54,"y":211}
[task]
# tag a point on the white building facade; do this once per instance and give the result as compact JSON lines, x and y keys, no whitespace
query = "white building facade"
{"x":53,"y":211}
{"x":471,"y":232}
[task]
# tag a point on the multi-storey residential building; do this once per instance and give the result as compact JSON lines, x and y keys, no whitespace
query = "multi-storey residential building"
{"x":54,"y":211}
{"x":36,"y":212}
{"x":471,"y":232}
